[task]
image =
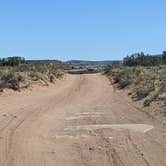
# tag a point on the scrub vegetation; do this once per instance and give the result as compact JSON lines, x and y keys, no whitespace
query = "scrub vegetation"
{"x":16,"y":73}
{"x":146,"y":79}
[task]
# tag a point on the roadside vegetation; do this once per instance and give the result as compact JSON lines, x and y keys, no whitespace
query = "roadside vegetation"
{"x":143,"y":75}
{"x":140,"y":59}
{"x":16,"y":73}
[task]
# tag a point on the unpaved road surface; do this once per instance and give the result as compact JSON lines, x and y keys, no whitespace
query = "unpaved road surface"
{"x":79,"y":122}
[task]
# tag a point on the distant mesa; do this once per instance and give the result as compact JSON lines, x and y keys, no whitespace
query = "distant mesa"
{"x":91,"y":64}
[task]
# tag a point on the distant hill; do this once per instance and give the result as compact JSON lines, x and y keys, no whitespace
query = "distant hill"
{"x":56,"y":63}
{"x":91,"y":64}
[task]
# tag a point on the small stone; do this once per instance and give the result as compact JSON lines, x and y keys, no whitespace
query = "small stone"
{"x":91,"y":149}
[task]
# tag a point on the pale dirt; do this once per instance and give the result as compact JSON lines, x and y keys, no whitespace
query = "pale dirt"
{"x":81,"y":121}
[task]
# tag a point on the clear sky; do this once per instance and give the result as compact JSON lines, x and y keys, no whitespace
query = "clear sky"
{"x":81,"y":29}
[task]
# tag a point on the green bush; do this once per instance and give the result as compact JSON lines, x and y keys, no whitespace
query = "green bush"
{"x":11,"y":80}
{"x":142,"y":93}
{"x":152,"y":98}
{"x":124,"y":83}
{"x":147,"y":102}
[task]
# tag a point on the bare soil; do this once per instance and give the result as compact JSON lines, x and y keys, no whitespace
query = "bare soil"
{"x":81,"y":121}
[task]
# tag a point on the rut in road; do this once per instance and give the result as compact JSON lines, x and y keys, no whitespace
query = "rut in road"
{"x":79,"y":121}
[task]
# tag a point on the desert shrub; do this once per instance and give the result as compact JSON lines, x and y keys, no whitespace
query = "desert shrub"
{"x":142,"y":93}
{"x":35,"y":76}
{"x":152,"y":98}
{"x":11,"y":80}
{"x":147,"y":102}
{"x":16,"y":73}
{"x":116,"y":79}
{"x":124,"y":83}
{"x":17,"y":77}
{"x":163,"y":86}
{"x":125,"y":76}
{"x":144,"y":89}
{"x":148,"y":83}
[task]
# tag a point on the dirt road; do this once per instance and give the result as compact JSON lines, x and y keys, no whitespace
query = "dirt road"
{"x":79,"y":122}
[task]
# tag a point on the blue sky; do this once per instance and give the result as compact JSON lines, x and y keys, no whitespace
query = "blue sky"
{"x":81,"y":29}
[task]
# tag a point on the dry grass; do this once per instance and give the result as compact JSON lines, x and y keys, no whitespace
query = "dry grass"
{"x":149,"y":82}
{"x":21,"y":77}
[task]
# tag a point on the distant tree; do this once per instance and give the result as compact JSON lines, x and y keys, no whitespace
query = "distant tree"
{"x":140,"y":59}
{"x":11,"y":61}
{"x":164,"y":57}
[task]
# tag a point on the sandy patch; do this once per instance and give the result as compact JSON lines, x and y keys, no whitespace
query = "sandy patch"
{"x":143,"y":128}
